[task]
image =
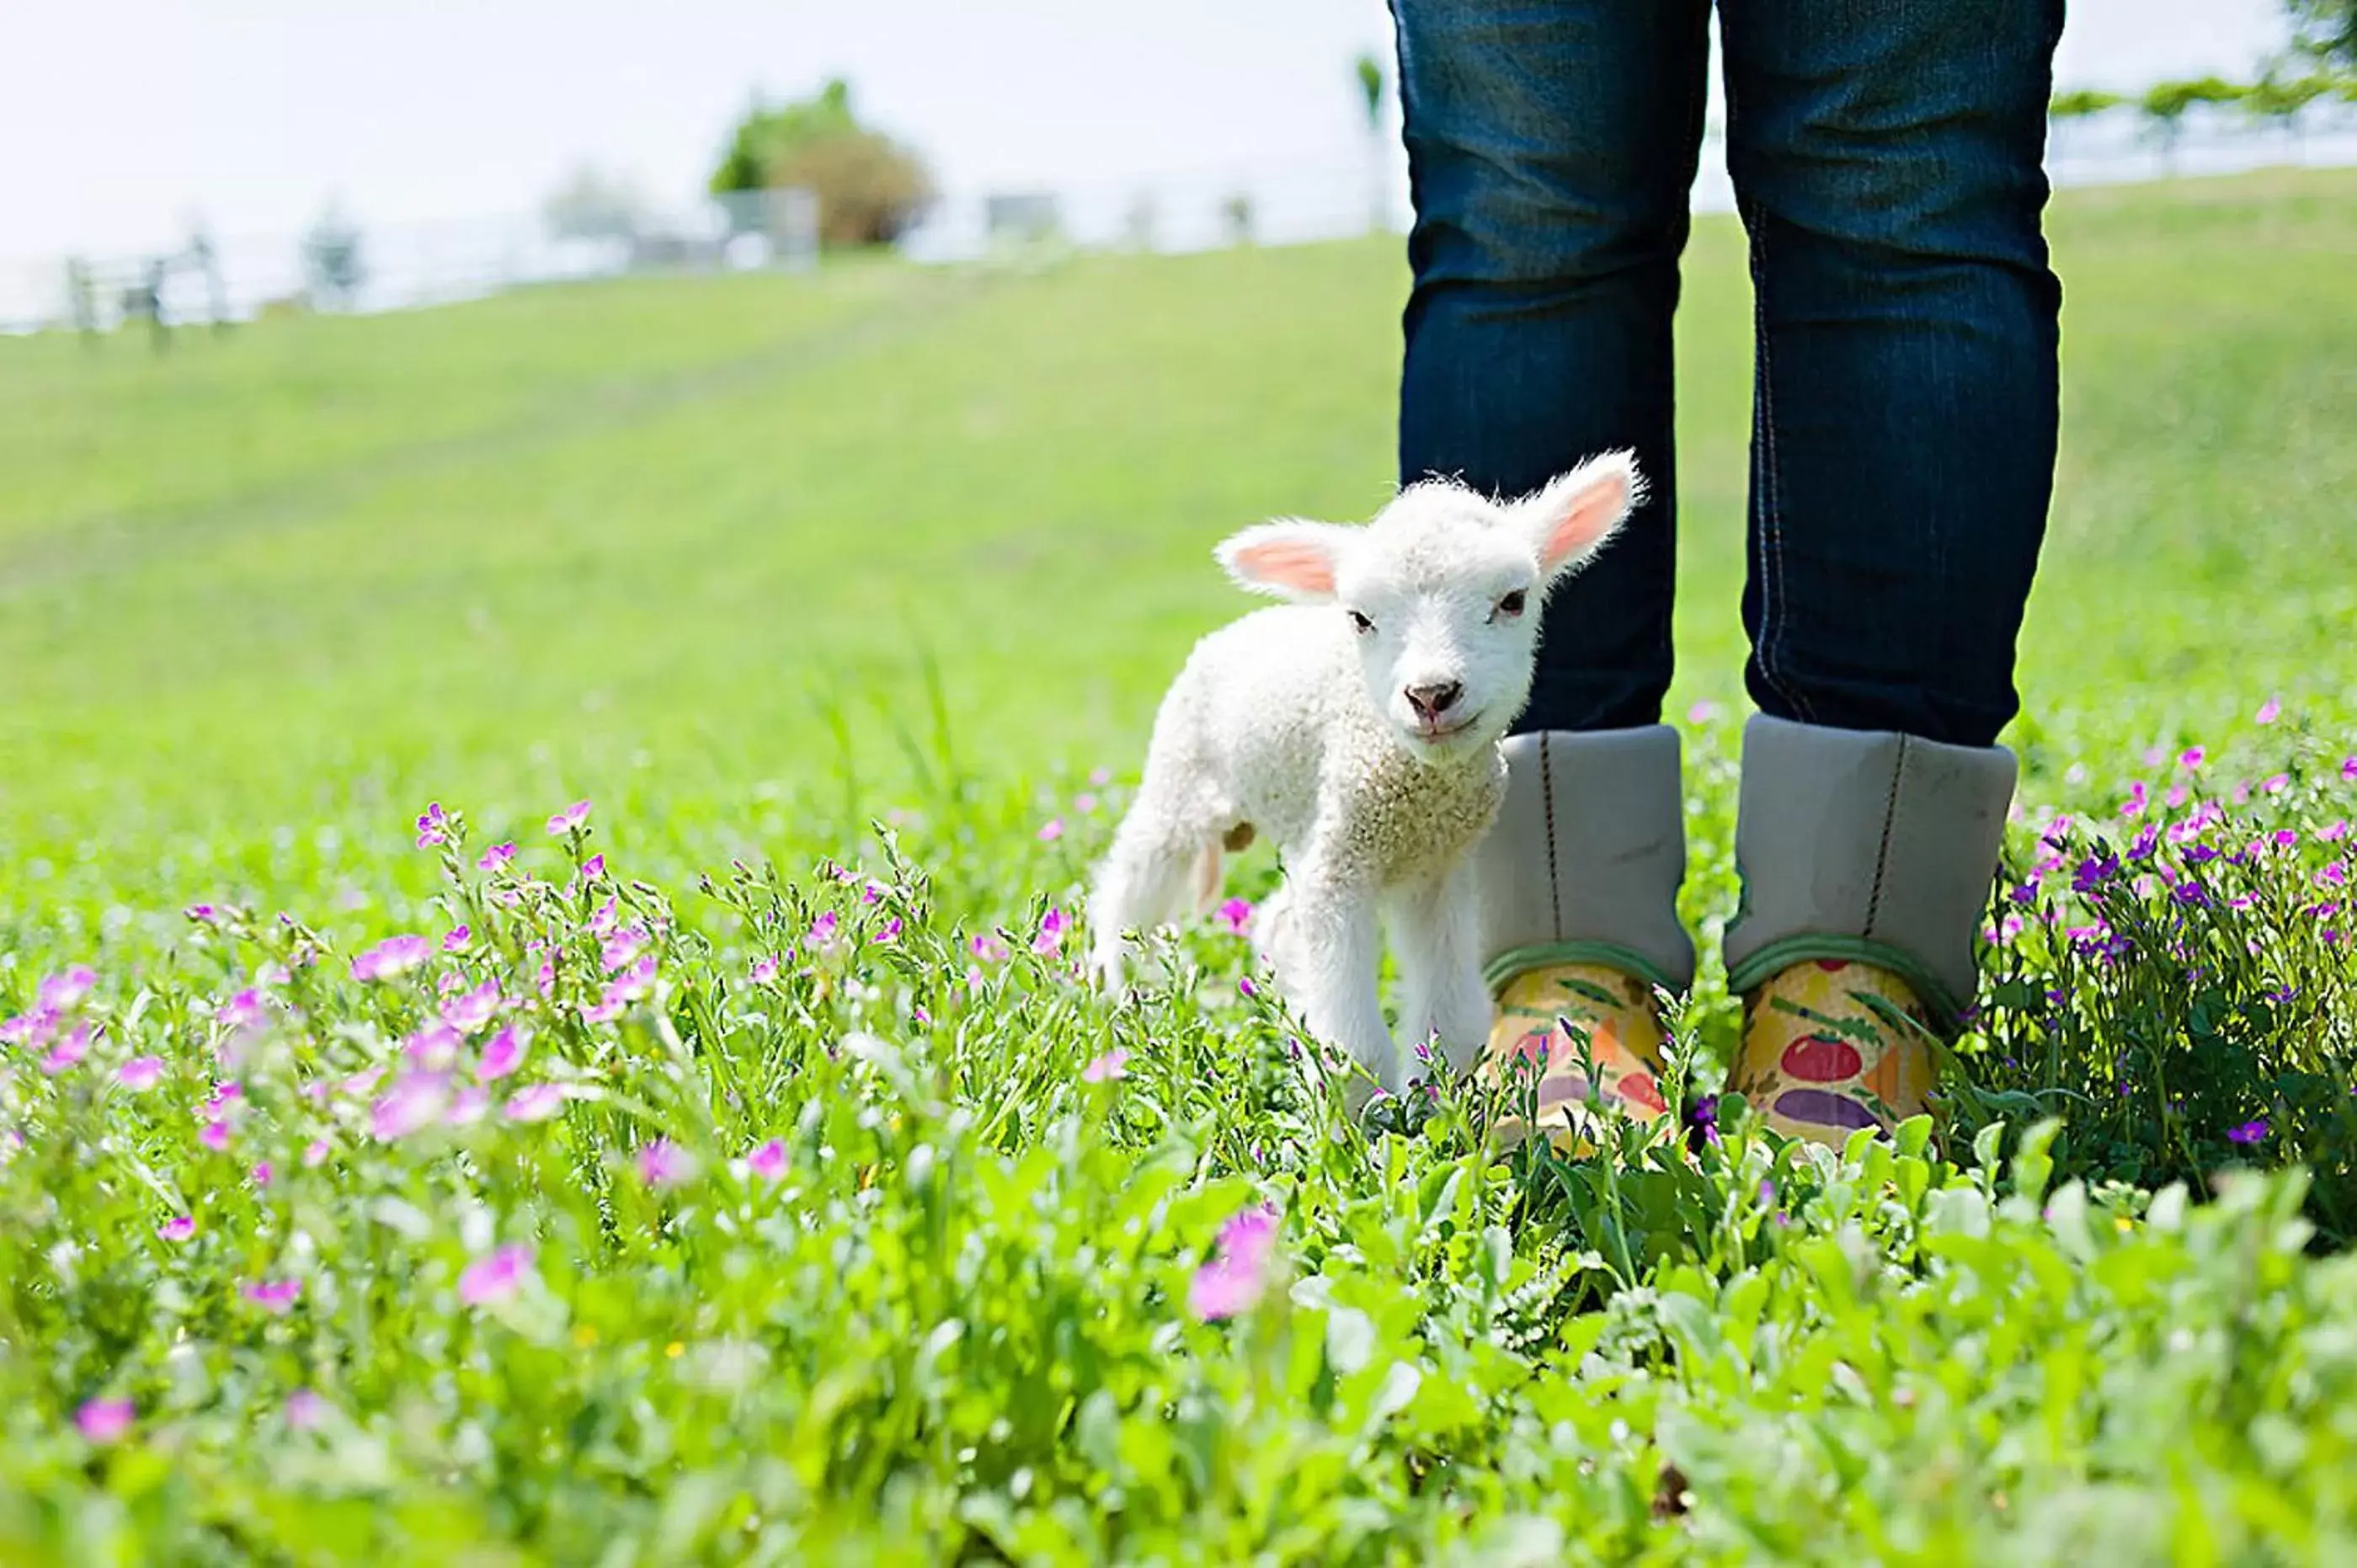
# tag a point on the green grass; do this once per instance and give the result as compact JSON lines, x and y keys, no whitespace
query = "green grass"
{"x":754,"y":561}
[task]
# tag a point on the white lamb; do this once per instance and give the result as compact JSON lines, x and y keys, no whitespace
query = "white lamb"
{"x":1358,"y":728}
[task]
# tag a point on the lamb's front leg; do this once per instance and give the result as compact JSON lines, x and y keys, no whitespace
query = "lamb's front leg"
{"x":1439,"y":953}
{"x":1329,"y":957}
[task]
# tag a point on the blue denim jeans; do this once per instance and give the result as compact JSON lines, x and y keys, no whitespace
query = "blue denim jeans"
{"x":1888,"y":159}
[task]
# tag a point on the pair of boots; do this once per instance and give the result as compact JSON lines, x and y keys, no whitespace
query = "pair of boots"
{"x":1866,"y":861}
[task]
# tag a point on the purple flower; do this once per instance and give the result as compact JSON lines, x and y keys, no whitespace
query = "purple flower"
{"x":470,"y":1105}
{"x":1053,"y":927}
{"x":433,"y":826}
{"x":620,"y":949}
{"x":416,"y":1100}
{"x":2024,"y":894}
{"x":1701,"y":1122}
{"x":140,"y":1072}
{"x":503,"y":1054}
{"x":202,"y":914}
{"x":1246,"y":989}
{"x":1084,"y":804}
{"x":2270,"y":711}
{"x":768,"y":1161}
{"x":765,"y":970}
{"x":1237,"y":1274}
{"x":274,"y":1296}
{"x":262,"y":1172}
{"x":393,"y":956}
{"x":888,"y":933}
{"x":2276,"y":784}
{"x":1236,"y":914}
{"x":214,"y":1134}
{"x":104,"y":1421}
{"x":1052,"y":829}
{"x":2094,"y":871}
{"x":2349,"y":770}
{"x":1113,"y":1064}
{"x":498,"y":854}
{"x":2139,"y":798}
{"x":433,"y":1048}
{"x":456,"y":937}
{"x":495,"y":1277}
{"x":665,"y":1163}
{"x":305,"y":1410}
{"x":178,"y":1228}
{"x":592,"y":868}
{"x":536,"y":1103}
{"x":569,"y":820}
{"x":823,"y":931}
{"x":989,"y":949}
{"x":2190,"y":757}
{"x":2248,"y":1132}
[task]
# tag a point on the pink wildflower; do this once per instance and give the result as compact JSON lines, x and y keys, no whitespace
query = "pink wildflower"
{"x":433,"y":1048}
{"x":665,"y":1163}
{"x":468,"y":1106}
{"x":2270,"y":711}
{"x":2139,"y":798}
{"x":1084,"y":804}
{"x":180,"y":1228}
{"x":70,"y":1049}
{"x":472,"y":1010}
{"x":140,"y":1072}
{"x":503,"y":1054}
{"x":498,"y":854}
{"x":765,"y":970}
{"x":314,"y":1153}
{"x":592,"y":868}
{"x":1246,"y":989}
{"x":989,"y":949}
{"x":62,"y":993}
{"x":202,"y":914}
{"x":569,"y":820}
{"x":768,"y":1161}
{"x":456,"y":939}
{"x":415,"y":1099}
{"x":495,"y":1277}
{"x":433,"y":826}
{"x":1113,"y":1064}
{"x":1236,"y":914}
{"x":2190,"y":757}
{"x":305,"y":1410}
{"x":537,"y":1102}
{"x":604,"y":1010}
{"x":1100,"y":777}
{"x":262,"y":1172}
{"x":2276,"y":784}
{"x":214,"y":1135}
{"x":823,"y":931}
{"x":1237,"y":1274}
{"x":888,"y":933}
{"x":104,"y":1421}
{"x":1052,"y":829}
{"x":619,"y":949}
{"x":1053,"y":927}
{"x":394,"y":955}
{"x":274,"y":1296}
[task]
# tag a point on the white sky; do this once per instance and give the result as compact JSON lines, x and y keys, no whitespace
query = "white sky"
{"x":119,"y":116}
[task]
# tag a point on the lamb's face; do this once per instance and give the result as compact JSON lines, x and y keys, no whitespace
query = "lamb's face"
{"x":1442,"y":598}
{"x":1441,"y":592}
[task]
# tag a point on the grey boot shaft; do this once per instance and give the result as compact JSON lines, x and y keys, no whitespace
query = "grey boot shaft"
{"x":1584,"y":862}
{"x":1868,"y":845}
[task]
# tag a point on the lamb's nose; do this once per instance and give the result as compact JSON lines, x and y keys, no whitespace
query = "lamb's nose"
{"x":1431,"y":701}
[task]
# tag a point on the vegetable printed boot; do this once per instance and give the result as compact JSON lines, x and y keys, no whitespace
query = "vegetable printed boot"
{"x":1866,"y":859}
{"x":1831,"y":1045}
{"x":1579,"y":882}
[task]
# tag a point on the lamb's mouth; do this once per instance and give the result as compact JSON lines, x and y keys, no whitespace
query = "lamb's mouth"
{"x":1435,"y":736}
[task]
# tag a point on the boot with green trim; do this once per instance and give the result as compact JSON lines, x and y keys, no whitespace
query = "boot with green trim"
{"x":1579,"y":882}
{"x":1866,"y":860}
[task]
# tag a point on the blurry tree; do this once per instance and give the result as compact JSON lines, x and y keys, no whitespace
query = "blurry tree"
{"x":2325,"y":30}
{"x":871,"y":189}
{"x":333,"y":266}
{"x":2283,"y":99}
{"x":590,"y":205}
{"x":2083,"y":102}
{"x":1371,"y":91}
{"x":2165,"y":104}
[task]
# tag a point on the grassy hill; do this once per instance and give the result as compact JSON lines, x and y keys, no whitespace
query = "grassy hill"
{"x":372,"y":1197}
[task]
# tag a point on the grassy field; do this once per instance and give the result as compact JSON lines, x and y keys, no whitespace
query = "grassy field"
{"x":754,"y":563}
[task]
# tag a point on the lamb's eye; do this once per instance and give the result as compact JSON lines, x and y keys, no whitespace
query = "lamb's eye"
{"x":1512,"y":605}
{"x":1362,"y":623}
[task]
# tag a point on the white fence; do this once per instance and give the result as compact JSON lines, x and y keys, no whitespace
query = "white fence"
{"x":403,"y":266}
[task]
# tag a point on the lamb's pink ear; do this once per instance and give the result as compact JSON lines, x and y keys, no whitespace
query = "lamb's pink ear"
{"x":1571,"y":518}
{"x":1290,"y":559}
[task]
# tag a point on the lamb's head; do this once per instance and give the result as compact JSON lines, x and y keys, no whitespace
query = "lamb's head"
{"x":1442,"y":592}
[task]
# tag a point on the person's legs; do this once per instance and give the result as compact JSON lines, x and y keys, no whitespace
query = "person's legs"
{"x":1551,"y":150}
{"x":1887,"y":158}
